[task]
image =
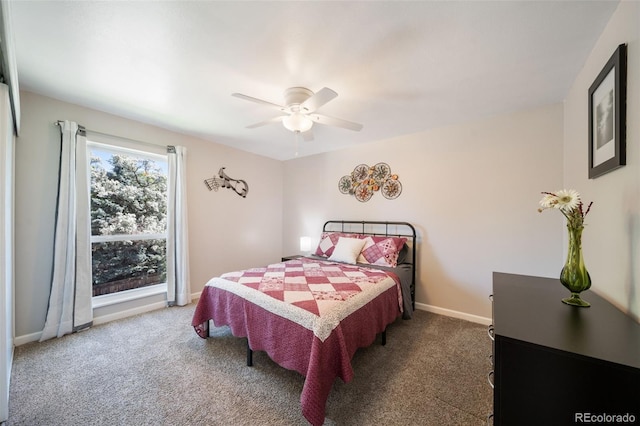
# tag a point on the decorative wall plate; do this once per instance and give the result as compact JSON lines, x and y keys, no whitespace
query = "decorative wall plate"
{"x":360,"y":172}
{"x":345,"y":185}
{"x":381,"y":172}
{"x":392,"y":188}
{"x":363,"y":192}
{"x":364,"y":181}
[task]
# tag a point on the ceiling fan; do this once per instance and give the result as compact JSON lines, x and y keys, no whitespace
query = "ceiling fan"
{"x":299,"y":111}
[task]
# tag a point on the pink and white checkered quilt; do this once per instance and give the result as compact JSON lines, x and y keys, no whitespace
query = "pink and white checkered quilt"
{"x":308,"y":315}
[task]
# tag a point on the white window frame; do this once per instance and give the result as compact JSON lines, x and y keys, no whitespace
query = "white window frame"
{"x":131,"y":148}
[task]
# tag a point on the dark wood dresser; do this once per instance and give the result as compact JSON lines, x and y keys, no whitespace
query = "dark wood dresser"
{"x":555,"y":364}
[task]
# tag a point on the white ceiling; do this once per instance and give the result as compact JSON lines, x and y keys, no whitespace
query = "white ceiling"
{"x":398,"y":67}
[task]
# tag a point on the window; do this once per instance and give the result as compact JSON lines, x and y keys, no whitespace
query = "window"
{"x":128,"y":222}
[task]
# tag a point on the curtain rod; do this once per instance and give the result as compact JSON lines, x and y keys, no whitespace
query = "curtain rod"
{"x":170,"y":148}
{"x":59,"y":124}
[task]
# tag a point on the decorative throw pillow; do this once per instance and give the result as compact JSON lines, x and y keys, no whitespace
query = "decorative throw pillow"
{"x":381,"y":251}
{"x":347,"y":250}
{"x":328,"y":241}
{"x":368,"y":242}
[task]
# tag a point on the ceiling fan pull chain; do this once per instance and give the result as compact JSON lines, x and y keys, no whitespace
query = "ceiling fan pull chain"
{"x":297,"y":136}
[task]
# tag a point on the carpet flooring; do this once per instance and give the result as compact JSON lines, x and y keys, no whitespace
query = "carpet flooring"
{"x":152,"y":369}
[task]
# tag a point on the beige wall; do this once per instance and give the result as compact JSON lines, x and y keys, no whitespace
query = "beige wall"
{"x":471,"y":191}
{"x":226,"y":232}
{"x":611,"y":239}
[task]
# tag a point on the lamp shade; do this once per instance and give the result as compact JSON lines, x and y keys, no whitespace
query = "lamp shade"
{"x":305,"y":244}
{"x":297,"y":122}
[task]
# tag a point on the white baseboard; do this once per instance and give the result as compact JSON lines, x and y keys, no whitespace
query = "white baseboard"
{"x":128,"y":313}
{"x":27,"y":338}
{"x":455,"y":314}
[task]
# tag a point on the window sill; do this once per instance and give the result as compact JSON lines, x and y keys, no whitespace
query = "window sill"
{"x":125,"y":296}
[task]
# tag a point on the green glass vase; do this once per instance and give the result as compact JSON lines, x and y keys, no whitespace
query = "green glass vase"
{"x":574,"y":275}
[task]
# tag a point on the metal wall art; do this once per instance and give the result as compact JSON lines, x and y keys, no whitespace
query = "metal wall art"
{"x":364,"y":181}
{"x":223,"y":181}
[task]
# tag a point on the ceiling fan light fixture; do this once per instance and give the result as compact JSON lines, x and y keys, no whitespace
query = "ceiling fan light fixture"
{"x":299,"y":112}
{"x":297,"y":122}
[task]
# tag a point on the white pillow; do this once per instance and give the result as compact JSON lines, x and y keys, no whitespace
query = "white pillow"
{"x":347,"y":250}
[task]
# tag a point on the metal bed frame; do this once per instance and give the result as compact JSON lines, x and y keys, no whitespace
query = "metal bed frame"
{"x":377,"y":228}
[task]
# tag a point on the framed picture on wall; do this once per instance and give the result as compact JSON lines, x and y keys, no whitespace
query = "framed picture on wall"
{"x":607,"y":116}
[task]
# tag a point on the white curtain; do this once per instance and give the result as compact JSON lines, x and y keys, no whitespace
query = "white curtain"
{"x":178,"y":286}
{"x":70,"y":300}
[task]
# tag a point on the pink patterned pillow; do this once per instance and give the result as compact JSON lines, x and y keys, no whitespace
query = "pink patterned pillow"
{"x":328,"y":241}
{"x":381,"y":251}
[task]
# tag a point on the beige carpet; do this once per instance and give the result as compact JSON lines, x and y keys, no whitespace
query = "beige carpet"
{"x":152,"y":369}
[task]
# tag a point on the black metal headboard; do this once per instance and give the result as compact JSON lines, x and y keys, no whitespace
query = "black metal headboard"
{"x":375,"y":228}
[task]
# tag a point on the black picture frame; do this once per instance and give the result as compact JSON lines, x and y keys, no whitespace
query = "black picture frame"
{"x":607,"y":116}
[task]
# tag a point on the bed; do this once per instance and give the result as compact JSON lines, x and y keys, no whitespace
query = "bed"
{"x":310,"y":314}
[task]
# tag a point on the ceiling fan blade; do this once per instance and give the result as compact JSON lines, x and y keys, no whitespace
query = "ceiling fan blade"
{"x":331,"y":121}
{"x":269,"y":121}
{"x":317,"y":100}
{"x":258,"y":101}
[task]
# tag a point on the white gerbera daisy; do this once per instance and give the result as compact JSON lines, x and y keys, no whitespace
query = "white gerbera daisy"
{"x":567,"y":200}
{"x":548,"y":201}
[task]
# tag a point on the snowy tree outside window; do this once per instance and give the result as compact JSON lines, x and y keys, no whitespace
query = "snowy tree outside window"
{"x":128,"y":219}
